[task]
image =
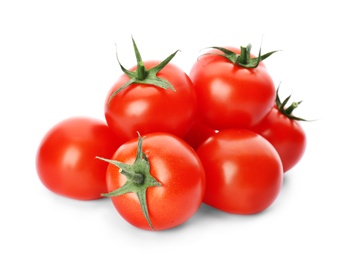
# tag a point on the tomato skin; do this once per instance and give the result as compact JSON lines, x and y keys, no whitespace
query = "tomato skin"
{"x":176,"y":166}
{"x":230,"y":96}
{"x":243,"y":171}
{"x":197,"y":134}
{"x":65,"y":160}
{"x":146,"y":108}
{"x":285,"y":134}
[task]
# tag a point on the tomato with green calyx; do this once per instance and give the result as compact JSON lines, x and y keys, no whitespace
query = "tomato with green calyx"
{"x":151,"y":97}
{"x":156,"y":182}
{"x":65,"y":160}
{"x":283,"y":130}
{"x":233,"y":88}
{"x":243,"y":171}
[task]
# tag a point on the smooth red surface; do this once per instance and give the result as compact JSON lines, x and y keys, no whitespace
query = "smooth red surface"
{"x":244,"y":173}
{"x":148,"y":108}
{"x":197,"y":134}
{"x":229,"y":95}
{"x":66,"y":162}
{"x":176,"y":166}
{"x":286,"y":135}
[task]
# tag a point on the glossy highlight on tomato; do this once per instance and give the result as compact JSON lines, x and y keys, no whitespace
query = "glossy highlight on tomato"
{"x":153,"y":96}
{"x":284,"y":131}
{"x":244,"y":173}
{"x":147,"y":108}
{"x":177,"y":182}
{"x":230,"y":95}
{"x":65,"y":159}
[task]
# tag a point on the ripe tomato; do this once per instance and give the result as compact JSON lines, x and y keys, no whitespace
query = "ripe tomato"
{"x":229,"y":94}
{"x":284,"y":132}
{"x":163,"y":101}
{"x":243,"y":171}
{"x":156,"y":182}
{"x":65,"y":159}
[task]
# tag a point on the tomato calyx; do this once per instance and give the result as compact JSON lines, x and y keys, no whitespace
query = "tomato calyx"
{"x":138,"y":181}
{"x":142,"y":75}
{"x":243,"y":59}
{"x":287,"y":111}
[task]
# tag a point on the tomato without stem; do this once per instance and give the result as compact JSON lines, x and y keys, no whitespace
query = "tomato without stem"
{"x":65,"y":160}
{"x":151,"y":97}
{"x":243,"y":171}
{"x":155,"y":182}
{"x":232,"y":90}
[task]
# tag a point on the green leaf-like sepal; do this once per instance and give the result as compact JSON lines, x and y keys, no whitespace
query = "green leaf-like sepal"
{"x":138,"y":181}
{"x":287,"y":111}
{"x":144,"y":76}
{"x":244,"y":58}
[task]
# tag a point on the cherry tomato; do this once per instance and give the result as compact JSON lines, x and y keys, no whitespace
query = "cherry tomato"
{"x":243,"y":170}
{"x":66,"y":162}
{"x":229,"y":94}
{"x":284,"y":132}
{"x":156,"y":182}
{"x":145,"y":102}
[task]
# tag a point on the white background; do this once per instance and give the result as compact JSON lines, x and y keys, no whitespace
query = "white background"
{"x":57,"y":60}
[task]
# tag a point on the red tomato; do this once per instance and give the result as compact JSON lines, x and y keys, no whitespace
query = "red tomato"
{"x":243,"y":171}
{"x":230,"y":95}
{"x":197,"y":134}
{"x":147,"y":108}
{"x":65,"y":159}
{"x":144,"y":106}
{"x":285,"y":133}
{"x":170,"y":189}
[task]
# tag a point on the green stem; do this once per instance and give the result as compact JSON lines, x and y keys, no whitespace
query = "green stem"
{"x":137,"y":178}
{"x":141,"y":71}
{"x":244,"y":55}
{"x":244,"y":59}
{"x":144,"y":76}
{"x":291,"y":108}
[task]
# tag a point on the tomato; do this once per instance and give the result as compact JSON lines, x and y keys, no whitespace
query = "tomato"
{"x":243,"y":171}
{"x":232,"y":93}
{"x":156,"y":182}
{"x":197,"y":134}
{"x":65,"y":160}
{"x":147,"y":99}
{"x":284,"y":132}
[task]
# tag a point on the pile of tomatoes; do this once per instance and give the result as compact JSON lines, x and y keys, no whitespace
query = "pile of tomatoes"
{"x":171,"y":140}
